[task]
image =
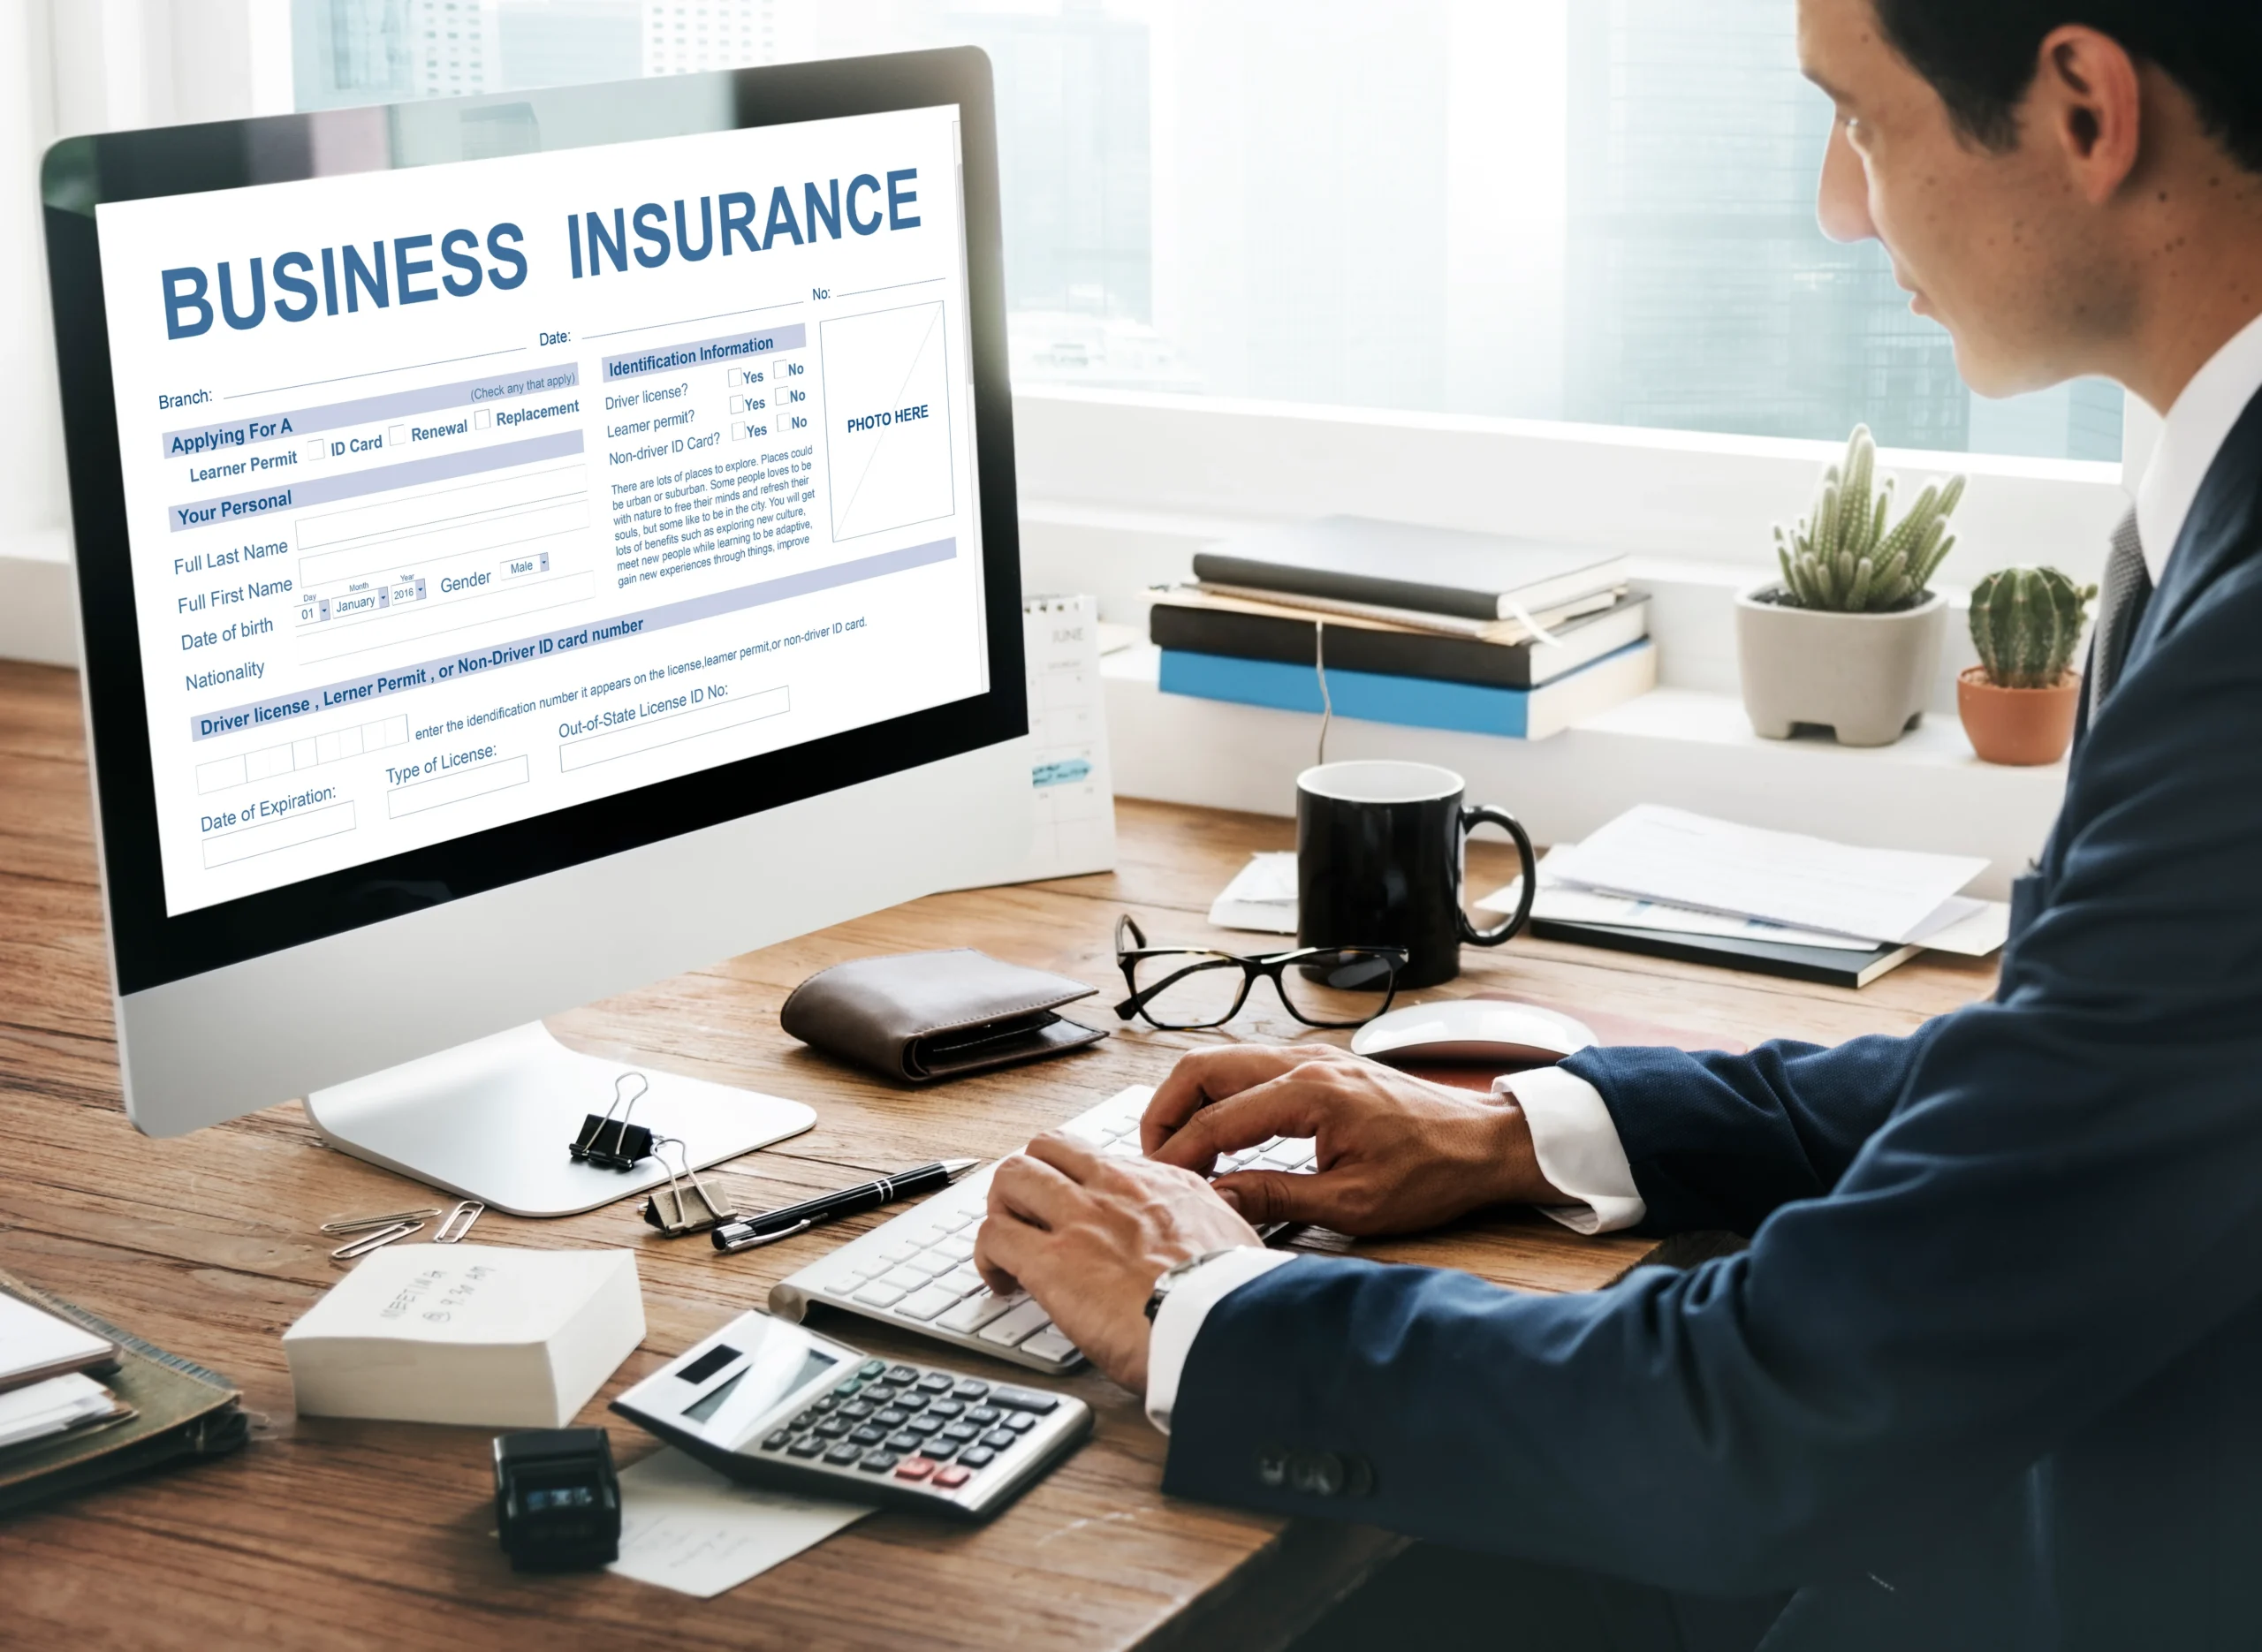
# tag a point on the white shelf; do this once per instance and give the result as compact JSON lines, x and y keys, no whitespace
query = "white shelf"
{"x":1675,"y":746}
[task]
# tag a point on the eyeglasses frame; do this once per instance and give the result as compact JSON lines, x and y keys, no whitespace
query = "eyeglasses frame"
{"x":1253,"y":967}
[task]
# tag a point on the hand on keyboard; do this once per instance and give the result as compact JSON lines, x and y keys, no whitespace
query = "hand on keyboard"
{"x":1087,"y":1235}
{"x":1396,"y":1153}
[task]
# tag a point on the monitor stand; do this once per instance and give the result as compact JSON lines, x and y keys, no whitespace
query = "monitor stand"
{"x":491,"y":1120}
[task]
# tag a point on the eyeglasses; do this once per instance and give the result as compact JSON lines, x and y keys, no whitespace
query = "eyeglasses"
{"x":1184,"y":987}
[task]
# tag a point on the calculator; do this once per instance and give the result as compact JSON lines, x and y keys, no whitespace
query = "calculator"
{"x":769,"y":1402}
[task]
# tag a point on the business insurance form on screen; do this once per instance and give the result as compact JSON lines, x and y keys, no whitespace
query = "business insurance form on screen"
{"x":464,"y":493}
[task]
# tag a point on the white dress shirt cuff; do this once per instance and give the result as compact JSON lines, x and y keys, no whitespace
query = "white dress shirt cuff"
{"x":1577,"y":1147}
{"x":1179,"y":1320}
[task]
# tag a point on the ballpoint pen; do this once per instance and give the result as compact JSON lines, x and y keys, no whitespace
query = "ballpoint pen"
{"x":771,"y":1225}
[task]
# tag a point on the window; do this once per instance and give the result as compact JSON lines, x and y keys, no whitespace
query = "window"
{"x":1593,"y":210}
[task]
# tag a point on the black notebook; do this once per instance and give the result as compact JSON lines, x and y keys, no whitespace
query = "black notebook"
{"x":1196,"y":629}
{"x":1833,"y":967}
{"x":1438,"y":570}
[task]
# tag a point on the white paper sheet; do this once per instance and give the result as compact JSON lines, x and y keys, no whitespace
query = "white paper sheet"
{"x":1262,"y":898}
{"x":1968,"y":928}
{"x":34,"y":1412}
{"x":685,"y":1528}
{"x":1686,"y":859}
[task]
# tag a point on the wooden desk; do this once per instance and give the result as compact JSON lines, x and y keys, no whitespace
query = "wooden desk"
{"x":324,"y":1533}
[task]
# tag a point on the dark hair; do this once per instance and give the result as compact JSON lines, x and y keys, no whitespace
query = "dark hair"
{"x":1981,"y":55}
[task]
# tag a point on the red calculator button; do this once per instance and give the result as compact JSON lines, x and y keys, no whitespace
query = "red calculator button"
{"x":913,"y":1469}
{"x":951,"y":1476}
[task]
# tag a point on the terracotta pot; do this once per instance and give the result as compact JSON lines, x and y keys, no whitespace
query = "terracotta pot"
{"x":1864,"y":676}
{"x":2022,"y":727}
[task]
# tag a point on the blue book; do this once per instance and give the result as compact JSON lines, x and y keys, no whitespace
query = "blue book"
{"x":1420,"y":702}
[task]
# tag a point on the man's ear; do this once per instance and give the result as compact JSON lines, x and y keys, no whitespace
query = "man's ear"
{"x":2087,"y":99}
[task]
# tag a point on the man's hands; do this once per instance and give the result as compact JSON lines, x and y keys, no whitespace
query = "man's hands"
{"x":1088,"y":1236}
{"x":1396,"y":1153}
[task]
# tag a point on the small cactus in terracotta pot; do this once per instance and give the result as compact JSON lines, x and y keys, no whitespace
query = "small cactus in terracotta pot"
{"x":2019,"y":703}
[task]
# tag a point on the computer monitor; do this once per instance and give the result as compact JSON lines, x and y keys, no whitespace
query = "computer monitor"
{"x":530,"y":546}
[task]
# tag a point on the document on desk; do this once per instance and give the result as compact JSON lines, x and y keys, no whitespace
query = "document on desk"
{"x":685,"y":1528}
{"x":1665,"y":854}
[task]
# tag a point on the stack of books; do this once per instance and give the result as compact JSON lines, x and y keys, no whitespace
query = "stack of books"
{"x":1420,"y":626}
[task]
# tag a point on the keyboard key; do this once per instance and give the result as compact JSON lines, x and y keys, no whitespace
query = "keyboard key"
{"x":805,"y":1448}
{"x":944,"y":1408}
{"x":844,"y":1455}
{"x":807,"y":1418}
{"x":961,"y":1433}
{"x":846,"y":1285}
{"x":910,"y":1399}
{"x":878,"y":1462}
{"x":893,"y":1417}
{"x":858,"y":1409}
{"x":933,"y":1264}
{"x":1024,"y":1322}
{"x":1034,"y":1399}
{"x":878,"y":1295}
{"x":1051,"y":1344}
{"x":879,"y":1394}
{"x":871,"y":1370}
{"x":1021,"y":1422}
{"x":848,"y":1389}
{"x":1123,"y":1150}
{"x":940,"y":1450}
{"x":951,"y":1477}
{"x":867,"y":1435}
{"x":833,"y":1427}
{"x":902,"y":1442}
{"x":778,"y":1440}
{"x":963,"y":1280}
{"x":903,"y":1376}
{"x":927,"y":1304}
{"x":974,"y":1313}
{"x":935,"y":1382}
{"x":969,"y":1388}
{"x":902,"y":1251}
{"x":906,"y":1278}
{"x":924,"y":1425}
{"x":824,"y":1402}
{"x":956,"y":1248}
{"x":913,"y":1469}
{"x":959,"y":1221}
{"x":1000,"y":1439}
{"x":986,"y":1415}
{"x":977,"y":1457}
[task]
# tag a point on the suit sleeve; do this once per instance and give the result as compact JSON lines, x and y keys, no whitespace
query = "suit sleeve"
{"x":1719,"y":1141}
{"x":2061,"y":1207}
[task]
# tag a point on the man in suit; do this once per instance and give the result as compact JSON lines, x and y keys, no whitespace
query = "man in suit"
{"x":1990,"y":1371}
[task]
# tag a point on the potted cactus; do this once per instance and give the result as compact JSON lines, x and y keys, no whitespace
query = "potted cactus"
{"x":2018,"y":703}
{"x":1849,"y":637}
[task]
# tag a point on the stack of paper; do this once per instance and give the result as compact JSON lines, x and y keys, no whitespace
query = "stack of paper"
{"x":59,"y":1404}
{"x":480,"y":1334}
{"x":1666,"y":869}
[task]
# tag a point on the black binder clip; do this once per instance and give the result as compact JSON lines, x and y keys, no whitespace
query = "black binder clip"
{"x":615,"y":1144}
{"x":688,"y":1204}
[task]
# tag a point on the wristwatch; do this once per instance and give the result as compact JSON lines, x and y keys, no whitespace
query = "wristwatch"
{"x":1174,"y":1273}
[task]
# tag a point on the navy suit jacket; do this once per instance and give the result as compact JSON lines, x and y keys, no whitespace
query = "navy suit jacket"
{"x":1990,"y":1372}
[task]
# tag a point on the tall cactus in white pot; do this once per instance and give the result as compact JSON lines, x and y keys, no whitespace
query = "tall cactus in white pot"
{"x":1848,"y":638}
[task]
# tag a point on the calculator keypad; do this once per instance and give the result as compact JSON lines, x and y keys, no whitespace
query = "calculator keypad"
{"x":928,"y":1428}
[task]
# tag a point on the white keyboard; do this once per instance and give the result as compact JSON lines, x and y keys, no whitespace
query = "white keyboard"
{"x":916,"y":1270}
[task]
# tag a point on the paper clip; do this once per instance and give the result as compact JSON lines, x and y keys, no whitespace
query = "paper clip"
{"x":362,"y":1224}
{"x":382,"y":1237}
{"x":688,"y":1205}
{"x":459,"y":1222}
{"x":615,"y":1145}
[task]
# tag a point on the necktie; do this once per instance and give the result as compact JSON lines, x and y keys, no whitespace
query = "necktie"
{"x":2128,"y":589}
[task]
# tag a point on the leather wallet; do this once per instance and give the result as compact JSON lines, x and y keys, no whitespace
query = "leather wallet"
{"x":924,"y":1016}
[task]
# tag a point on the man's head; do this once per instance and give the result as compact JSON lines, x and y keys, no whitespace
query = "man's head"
{"x":2048,"y":175}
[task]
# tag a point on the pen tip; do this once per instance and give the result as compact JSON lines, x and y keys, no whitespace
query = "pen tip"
{"x":959,"y":1167}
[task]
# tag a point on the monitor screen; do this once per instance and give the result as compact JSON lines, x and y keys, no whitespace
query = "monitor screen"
{"x":457,"y":496}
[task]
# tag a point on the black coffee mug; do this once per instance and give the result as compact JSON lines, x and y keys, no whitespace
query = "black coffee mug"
{"x":1378,"y":863}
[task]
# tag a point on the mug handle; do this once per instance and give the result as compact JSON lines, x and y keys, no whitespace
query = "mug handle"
{"x":1470,"y":819}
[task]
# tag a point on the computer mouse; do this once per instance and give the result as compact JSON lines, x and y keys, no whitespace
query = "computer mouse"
{"x":1504,"y":1036}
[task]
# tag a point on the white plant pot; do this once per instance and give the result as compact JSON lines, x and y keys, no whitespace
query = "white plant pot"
{"x":1865,"y":677}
